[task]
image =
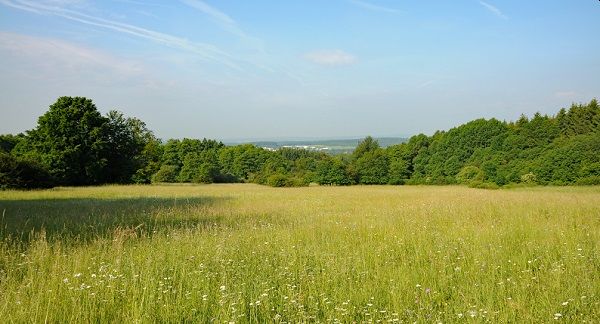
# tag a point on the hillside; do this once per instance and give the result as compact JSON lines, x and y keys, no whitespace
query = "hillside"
{"x":331,"y":146}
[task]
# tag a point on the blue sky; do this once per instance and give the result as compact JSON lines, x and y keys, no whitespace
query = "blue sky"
{"x":298,"y":69}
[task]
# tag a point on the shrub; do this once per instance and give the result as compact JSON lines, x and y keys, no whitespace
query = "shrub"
{"x":18,"y":173}
{"x":206,"y":173}
{"x":166,"y":173}
{"x":589,"y":181}
{"x":469,"y":174}
{"x":529,"y":178}
{"x":298,"y":181}
{"x":277,"y":180}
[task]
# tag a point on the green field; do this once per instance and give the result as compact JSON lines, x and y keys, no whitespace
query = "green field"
{"x":247,"y":253}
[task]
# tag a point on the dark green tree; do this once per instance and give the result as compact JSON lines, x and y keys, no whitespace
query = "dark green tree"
{"x":72,"y":141}
{"x":9,"y":141}
{"x":200,"y":167}
{"x":368,"y":144}
{"x":372,"y":167}
{"x":134,"y":150}
{"x":331,"y":171}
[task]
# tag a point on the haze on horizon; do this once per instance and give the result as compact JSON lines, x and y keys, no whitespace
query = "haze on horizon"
{"x":298,"y":69}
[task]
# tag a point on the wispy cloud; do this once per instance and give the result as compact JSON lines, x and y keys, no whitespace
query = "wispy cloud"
{"x":206,"y":51}
{"x":225,"y":21}
{"x":373,"y":7}
{"x":143,"y":3}
{"x":426,"y":84}
{"x":211,"y":11}
{"x":493,"y":10}
{"x":64,"y":2}
{"x":52,"y":57}
{"x":331,"y":57}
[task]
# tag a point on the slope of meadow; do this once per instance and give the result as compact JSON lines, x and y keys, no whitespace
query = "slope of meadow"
{"x":249,"y":253}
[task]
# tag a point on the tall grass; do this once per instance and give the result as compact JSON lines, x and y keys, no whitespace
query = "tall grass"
{"x":245,"y":253}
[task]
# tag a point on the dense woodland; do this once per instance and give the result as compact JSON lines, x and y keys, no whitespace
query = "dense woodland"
{"x":74,"y":145}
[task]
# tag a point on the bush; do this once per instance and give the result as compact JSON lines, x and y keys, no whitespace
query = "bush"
{"x":166,"y":173}
{"x":277,"y":180}
{"x":529,"y":178}
{"x":396,"y":181}
{"x":589,"y":181}
{"x":469,"y":174}
{"x":17,"y":173}
{"x":298,"y":182}
{"x":226,"y":178}
{"x":206,"y":173}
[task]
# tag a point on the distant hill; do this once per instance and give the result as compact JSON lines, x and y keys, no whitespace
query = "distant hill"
{"x":333,"y":146}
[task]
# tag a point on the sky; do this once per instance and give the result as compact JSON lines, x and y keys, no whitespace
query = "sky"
{"x":271,"y":69}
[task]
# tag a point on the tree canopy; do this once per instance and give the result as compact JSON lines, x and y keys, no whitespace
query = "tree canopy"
{"x":74,"y":144}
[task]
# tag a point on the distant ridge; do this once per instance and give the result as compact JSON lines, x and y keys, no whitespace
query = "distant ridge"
{"x":333,"y":146}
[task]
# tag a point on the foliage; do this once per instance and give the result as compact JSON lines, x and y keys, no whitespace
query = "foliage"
{"x":369,"y":144}
{"x":469,"y":174}
{"x":331,"y":171}
{"x":372,"y":167}
{"x":277,"y":180}
{"x":78,"y":146}
{"x":22,"y":173}
{"x":166,"y":173}
{"x":529,"y":178}
{"x":133,"y":149}
{"x":71,"y":141}
{"x":9,"y":141}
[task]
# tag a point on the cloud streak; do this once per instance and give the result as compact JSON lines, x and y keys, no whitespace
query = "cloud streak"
{"x":373,"y":7}
{"x":51,"y":57}
{"x":211,"y":11}
{"x":225,"y":22}
{"x":207,"y":52}
{"x":493,"y":10}
{"x":331,"y":57}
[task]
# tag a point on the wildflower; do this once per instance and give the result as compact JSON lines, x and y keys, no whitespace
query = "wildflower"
{"x":565,"y":303}
{"x":222,"y":288}
{"x":77,"y":275}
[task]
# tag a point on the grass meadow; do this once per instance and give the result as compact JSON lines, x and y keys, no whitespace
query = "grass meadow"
{"x":247,"y":253}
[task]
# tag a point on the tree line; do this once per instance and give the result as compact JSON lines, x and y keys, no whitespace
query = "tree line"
{"x":73,"y":144}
